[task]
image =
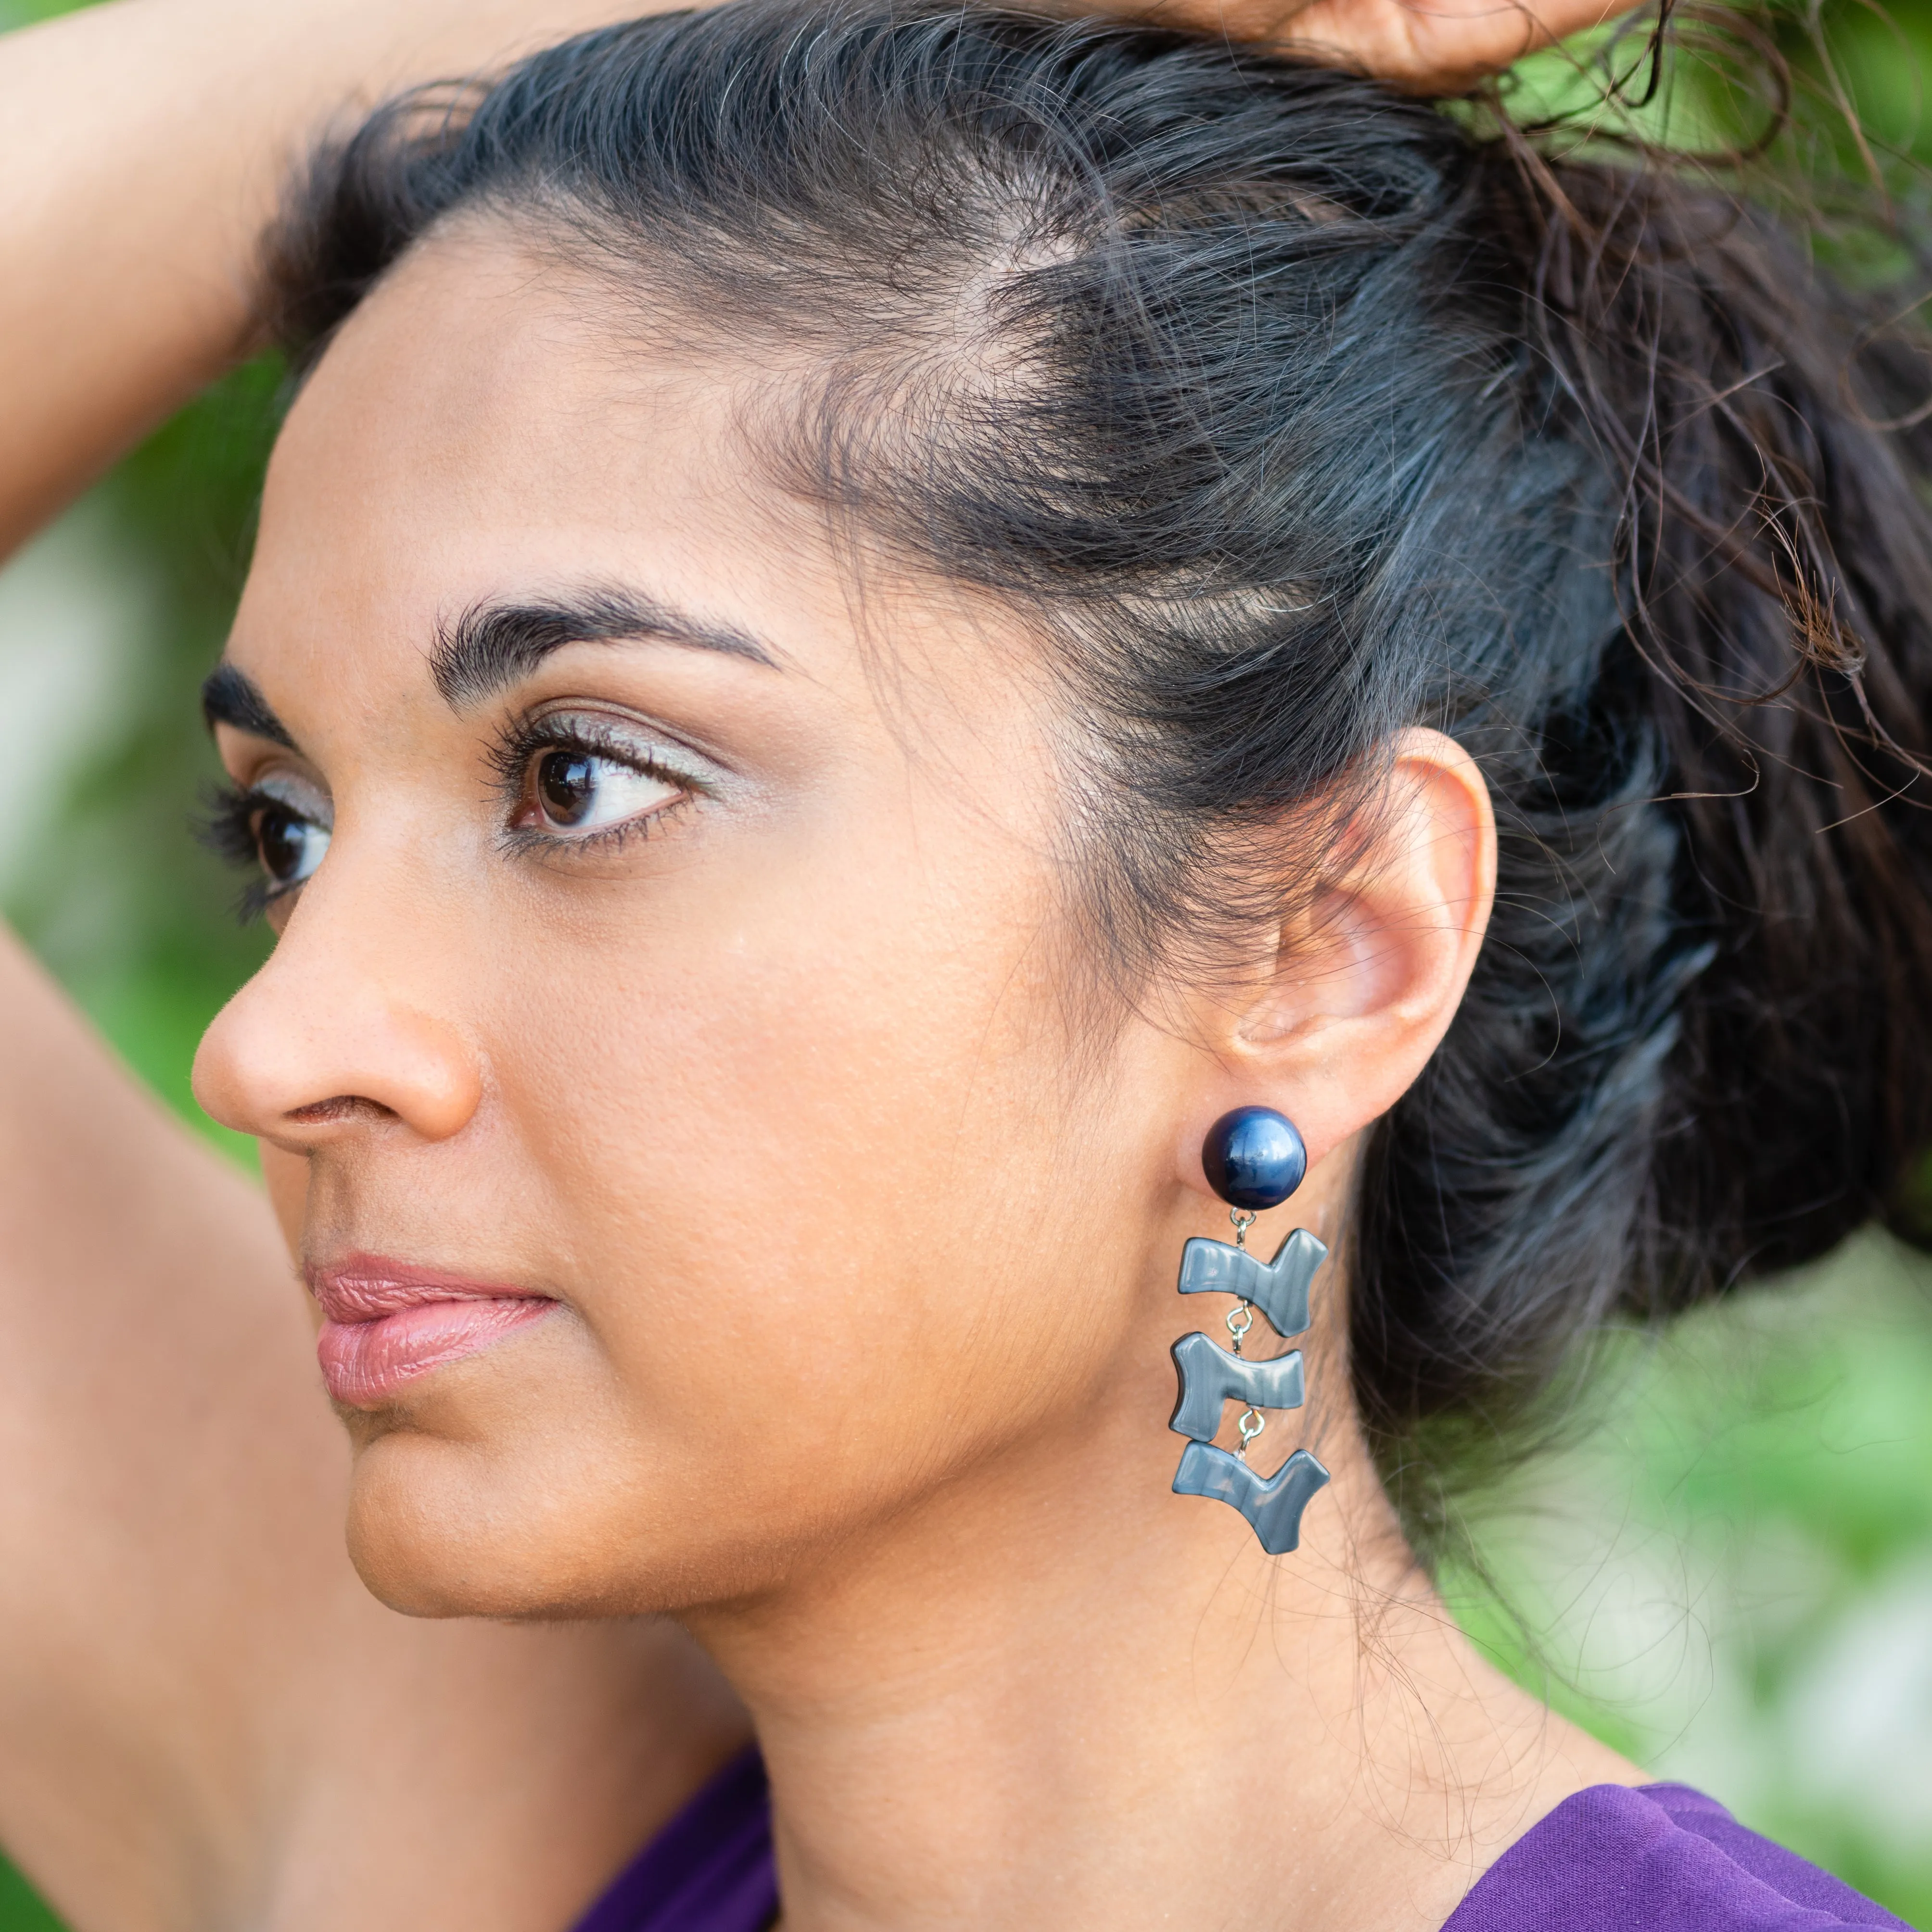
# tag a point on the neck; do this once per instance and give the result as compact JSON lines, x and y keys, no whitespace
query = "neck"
{"x":1060,"y":1697}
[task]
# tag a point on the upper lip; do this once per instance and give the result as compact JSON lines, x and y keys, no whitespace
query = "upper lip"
{"x":365,"y":1288}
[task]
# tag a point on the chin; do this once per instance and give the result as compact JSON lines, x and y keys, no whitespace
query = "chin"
{"x":439,"y":1527}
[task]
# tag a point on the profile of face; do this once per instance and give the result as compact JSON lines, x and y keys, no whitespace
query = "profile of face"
{"x":678,"y":1040}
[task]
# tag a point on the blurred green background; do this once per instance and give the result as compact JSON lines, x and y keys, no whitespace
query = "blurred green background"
{"x":1730,"y":1576}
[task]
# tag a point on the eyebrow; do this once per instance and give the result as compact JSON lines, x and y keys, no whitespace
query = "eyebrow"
{"x":229,"y":696}
{"x":493,"y":645}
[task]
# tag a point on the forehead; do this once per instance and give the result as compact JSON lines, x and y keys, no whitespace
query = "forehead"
{"x":490,"y":426}
{"x":483,"y":418}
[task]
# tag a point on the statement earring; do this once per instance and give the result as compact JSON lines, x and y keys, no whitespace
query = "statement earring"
{"x":1253,"y":1159}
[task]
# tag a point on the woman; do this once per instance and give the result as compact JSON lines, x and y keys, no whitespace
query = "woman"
{"x":881,"y":644}
{"x":192,"y":1675}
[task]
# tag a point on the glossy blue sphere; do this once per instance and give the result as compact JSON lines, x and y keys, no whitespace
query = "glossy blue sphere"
{"x":1254,"y":1158}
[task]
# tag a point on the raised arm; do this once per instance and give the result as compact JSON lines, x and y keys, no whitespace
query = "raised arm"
{"x":142,"y":144}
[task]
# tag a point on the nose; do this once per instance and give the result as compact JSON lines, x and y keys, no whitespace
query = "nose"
{"x":325,"y":1039}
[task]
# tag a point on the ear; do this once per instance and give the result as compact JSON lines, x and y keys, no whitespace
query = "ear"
{"x":1356,"y":991}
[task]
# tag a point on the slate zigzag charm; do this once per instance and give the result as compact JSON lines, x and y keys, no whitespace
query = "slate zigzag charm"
{"x":1273,"y":1507}
{"x":1210,"y":1376}
{"x":1278,"y":1288}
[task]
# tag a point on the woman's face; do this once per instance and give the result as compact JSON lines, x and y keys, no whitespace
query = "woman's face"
{"x":663,"y":1066}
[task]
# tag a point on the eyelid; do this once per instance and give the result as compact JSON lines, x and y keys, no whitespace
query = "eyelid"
{"x":613,"y":734}
{"x":603,"y":733}
{"x":300,"y":794}
{"x":271,"y":771}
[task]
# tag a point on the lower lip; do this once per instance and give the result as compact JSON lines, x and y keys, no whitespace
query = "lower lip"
{"x":366,"y":1363}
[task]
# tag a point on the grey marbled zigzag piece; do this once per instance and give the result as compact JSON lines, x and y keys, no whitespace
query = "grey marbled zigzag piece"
{"x":1278,"y":1288}
{"x":1273,"y":1506}
{"x":1210,"y":1376}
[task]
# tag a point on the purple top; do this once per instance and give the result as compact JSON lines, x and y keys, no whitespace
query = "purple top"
{"x":1660,"y":1858}
{"x":1664,"y":1859}
{"x":709,"y":1870}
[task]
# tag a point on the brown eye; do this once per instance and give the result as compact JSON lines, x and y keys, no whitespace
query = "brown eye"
{"x":566,"y":785}
{"x":575,"y":788}
{"x":290,"y":846}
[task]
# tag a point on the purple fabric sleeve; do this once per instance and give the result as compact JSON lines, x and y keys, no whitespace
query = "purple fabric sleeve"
{"x":709,"y":1870}
{"x":1662,"y":1859}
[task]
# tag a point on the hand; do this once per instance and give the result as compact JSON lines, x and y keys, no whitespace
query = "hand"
{"x":1427,"y":47}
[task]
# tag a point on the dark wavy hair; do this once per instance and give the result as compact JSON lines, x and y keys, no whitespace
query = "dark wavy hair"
{"x":1289,"y":411}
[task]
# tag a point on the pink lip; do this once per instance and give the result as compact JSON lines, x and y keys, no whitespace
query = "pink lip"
{"x":389,"y":1322}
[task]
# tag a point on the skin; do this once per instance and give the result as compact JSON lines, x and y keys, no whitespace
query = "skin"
{"x":207,"y":1721}
{"x":862,"y":1293}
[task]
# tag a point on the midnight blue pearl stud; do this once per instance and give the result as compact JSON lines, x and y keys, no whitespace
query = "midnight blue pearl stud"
{"x":1254,"y":1158}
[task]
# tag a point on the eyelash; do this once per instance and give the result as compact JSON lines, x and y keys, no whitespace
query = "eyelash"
{"x":225,"y":826}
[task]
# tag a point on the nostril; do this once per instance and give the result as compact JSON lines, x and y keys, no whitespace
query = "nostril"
{"x":339,"y":1107}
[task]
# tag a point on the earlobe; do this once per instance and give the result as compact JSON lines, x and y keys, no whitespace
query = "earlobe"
{"x":1365,"y":982}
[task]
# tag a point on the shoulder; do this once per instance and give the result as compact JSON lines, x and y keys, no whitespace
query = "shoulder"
{"x":1661,"y":1857}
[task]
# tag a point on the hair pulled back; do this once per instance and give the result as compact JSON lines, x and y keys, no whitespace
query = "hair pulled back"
{"x":1292,"y":412}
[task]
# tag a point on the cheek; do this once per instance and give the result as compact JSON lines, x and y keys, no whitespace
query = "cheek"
{"x":782,"y":1121}
{"x":805,"y":1150}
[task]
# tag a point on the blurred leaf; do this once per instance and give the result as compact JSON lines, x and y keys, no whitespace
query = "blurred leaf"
{"x":20,"y":1908}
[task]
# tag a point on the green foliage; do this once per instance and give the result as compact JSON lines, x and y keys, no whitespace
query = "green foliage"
{"x":20,"y":1909}
{"x":25,"y":13}
{"x":1721,"y":1574}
